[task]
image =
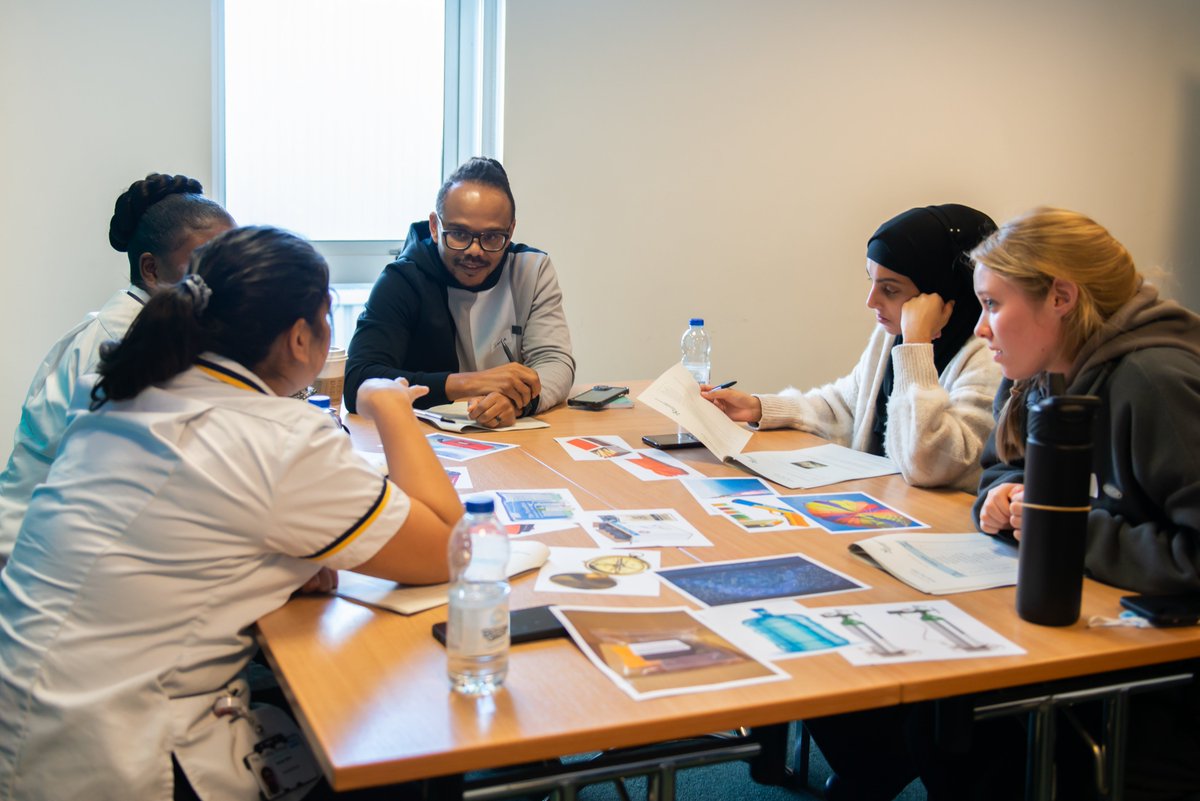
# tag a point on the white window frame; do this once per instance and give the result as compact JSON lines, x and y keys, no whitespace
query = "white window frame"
{"x":473,"y":117}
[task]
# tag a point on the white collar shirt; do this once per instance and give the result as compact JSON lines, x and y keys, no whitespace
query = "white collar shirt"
{"x":44,"y":412}
{"x":168,"y":525}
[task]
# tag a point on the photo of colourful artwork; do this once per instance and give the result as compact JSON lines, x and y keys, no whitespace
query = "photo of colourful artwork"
{"x":761,"y":514}
{"x":705,"y":490}
{"x":846,"y":512}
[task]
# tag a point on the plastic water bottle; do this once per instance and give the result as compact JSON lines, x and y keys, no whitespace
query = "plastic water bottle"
{"x":324,"y":402}
{"x":477,"y":637}
{"x":695,"y":348}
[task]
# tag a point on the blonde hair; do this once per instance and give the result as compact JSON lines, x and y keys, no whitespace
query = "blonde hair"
{"x":1032,"y":250}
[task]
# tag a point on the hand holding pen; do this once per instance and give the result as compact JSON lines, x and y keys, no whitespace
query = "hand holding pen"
{"x":738,"y":406}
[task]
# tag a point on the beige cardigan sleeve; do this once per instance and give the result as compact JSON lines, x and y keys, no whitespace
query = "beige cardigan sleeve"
{"x":937,"y":426}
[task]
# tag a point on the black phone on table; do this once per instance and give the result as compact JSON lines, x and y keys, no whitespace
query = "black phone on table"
{"x":524,"y":625}
{"x":1165,"y":610}
{"x":598,"y":396}
{"x":668,"y":442}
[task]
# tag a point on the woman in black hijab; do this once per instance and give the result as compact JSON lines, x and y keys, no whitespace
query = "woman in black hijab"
{"x":922,"y":391}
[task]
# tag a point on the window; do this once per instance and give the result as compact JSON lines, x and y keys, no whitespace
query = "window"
{"x":339,"y":120}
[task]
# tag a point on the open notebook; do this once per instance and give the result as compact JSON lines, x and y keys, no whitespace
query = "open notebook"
{"x":408,"y":600}
{"x":454,"y":417}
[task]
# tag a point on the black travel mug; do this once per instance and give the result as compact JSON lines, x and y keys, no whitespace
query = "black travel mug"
{"x":1058,"y":471}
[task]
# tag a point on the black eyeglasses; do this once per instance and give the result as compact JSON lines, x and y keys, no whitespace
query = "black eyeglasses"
{"x":489,"y":241}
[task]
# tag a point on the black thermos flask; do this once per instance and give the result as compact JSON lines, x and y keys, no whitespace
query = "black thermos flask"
{"x":1058,"y":472}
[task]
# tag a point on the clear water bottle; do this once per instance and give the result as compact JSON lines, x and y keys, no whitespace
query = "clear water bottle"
{"x":695,"y":348}
{"x":323,"y":402}
{"x":477,"y":637}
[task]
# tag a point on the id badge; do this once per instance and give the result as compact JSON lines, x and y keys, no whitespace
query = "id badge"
{"x":281,"y":761}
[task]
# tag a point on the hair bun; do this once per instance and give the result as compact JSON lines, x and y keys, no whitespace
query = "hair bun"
{"x":140,"y":196}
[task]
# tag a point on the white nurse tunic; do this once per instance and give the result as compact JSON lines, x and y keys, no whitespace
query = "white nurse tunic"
{"x":168,"y":525}
{"x":44,"y":412}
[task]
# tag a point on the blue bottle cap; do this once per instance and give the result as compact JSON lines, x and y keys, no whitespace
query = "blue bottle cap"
{"x":320,"y":401}
{"x":484,"y":505}
{"x":696,"y":321}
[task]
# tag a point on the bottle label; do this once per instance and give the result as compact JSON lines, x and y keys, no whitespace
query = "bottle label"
{"x":477,"y":631}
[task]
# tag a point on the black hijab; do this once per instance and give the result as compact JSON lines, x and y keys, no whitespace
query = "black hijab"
{"x":929,"y":245}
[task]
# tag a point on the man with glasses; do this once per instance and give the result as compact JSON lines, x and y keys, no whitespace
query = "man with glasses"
{"x":466,"y":311}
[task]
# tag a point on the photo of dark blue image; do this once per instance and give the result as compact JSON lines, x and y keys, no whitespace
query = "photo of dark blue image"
{"x":722,"y":583}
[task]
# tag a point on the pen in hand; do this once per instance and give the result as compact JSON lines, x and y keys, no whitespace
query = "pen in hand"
{"x":726,"y":385}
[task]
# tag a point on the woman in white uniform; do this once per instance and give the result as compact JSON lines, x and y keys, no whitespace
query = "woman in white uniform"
{"x":158,"y":222}
{"x":192,"y":498}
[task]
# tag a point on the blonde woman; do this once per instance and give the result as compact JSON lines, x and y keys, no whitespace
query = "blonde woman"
{"x":1061,"y":295}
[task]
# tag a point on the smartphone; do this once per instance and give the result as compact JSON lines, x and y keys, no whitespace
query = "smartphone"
{"x":1165,"y":610}
{"x":524,"y":625}
{"x":598,"y":396}
{"x":668,"y":442}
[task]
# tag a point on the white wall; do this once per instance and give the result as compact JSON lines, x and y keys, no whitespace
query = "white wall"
{"x":730,"y":160}
{"x":676,"y":157}
{"x":92,"y":97}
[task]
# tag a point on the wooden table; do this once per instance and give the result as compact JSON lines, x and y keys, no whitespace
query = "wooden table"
{"x":370,"y":687}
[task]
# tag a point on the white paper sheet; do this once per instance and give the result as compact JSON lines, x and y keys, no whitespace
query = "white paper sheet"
{"x":650,"y":464}
{"x":920,"y":631}
{"x":567,"y":570}
{"x":773,"y":630}
{"x":677,"y":395}
{"x":597,"y":448}
{"x":641,"y":528}
{"x":816,"y":467}
{"x":650,"y":653}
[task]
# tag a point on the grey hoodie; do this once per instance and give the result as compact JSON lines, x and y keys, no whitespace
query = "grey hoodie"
{"x":1144,"y":527}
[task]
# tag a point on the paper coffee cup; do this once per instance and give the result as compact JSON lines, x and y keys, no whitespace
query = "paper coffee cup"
{"x":332,"y":378}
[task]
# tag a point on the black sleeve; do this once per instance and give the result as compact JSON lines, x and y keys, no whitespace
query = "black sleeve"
{"x":385,"y":337}
{"x":996,"y":472}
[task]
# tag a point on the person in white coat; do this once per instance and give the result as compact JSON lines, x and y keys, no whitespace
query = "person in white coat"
{"x":922,"y":390}
{"x":158,"y":221}
{"x":190,"y":497}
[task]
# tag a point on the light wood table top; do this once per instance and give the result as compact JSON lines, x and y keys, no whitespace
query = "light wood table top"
{"x":370,"y":686}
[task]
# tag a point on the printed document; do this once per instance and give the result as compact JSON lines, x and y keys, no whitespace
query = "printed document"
{"x":676,"y":394}
{"x":940,"y":564}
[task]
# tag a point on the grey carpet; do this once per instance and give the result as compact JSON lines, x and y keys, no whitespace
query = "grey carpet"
{"x":731,"y":781}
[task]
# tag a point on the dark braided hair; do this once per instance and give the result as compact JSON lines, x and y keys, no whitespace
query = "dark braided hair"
{"x":156,"y":213}
{"x":262,"y":280}
{"x":478,"y":170}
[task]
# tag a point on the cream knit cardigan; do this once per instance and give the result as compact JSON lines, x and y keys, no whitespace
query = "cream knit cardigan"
{"x":936,"y":427}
